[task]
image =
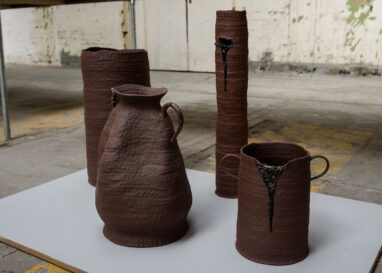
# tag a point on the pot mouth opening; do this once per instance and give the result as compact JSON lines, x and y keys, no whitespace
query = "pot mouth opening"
{"x":136,"y":90}
{"x":275,"y":154}
{"x":99,"y":49}
{"x":230,"y":11}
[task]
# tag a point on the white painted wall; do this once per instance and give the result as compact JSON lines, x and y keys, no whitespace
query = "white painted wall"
{"x":42,"y":35}
{"x":161,"y":29}
{"x":28,"y":36}
{"x":201,"y":31}
{"x":299,"y":31}
{"x":82,"y":26}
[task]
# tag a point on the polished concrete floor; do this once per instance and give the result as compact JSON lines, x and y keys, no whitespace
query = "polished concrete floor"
{"x":339,"y":117}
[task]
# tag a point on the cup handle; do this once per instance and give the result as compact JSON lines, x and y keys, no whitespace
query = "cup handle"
{"x":180,"y":117}
{"x":224,"y":168}
{"x":326,"y":169}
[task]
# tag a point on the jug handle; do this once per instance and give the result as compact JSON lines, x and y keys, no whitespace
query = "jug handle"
{"x":326,"y":169}
{"x":180,"y":117}
{"x":224,"y":168}
{"x":113,"y":98}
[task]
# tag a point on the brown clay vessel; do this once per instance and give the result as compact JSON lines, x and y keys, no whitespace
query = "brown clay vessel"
{"x":273,"y":205}
{"x":102,"y":69}
{"x":231,"y":59}
{"x":143,"y":194}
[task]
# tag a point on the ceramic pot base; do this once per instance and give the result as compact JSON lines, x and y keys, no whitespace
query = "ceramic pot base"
{"x":139,"y":241}
{"x":271,"y":260}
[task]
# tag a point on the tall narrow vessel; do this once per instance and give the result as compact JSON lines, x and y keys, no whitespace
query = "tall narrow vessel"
{"x":102,"y":69}
{"x":143,"y":194}
{"x":231,"y":59}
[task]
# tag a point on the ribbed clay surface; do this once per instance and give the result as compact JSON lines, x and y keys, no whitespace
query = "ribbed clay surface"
{"x":143,"y":194}
{"x":287,"y":243}
{"x":102,"y":69}
{"x":231,"y":94}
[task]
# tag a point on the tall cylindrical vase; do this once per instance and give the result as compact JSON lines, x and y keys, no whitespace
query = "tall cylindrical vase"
{"x":102,"y":69}
{"x":231,"y":59}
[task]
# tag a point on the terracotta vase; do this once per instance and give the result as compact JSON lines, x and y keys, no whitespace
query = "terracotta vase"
{"x":273,"y":205}
{"x":102,"y":69}
{"x":143,"y":194}
{"x":231,"y":58}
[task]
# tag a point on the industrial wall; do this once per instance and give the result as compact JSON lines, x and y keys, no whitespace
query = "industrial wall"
{"x":56,"y":35}
{"x":179,"y":34}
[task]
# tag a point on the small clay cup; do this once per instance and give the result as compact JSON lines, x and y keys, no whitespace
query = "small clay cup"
{"x":273,"y":206}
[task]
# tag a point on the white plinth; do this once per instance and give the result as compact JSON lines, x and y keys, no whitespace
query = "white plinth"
{"x":59,"y":219}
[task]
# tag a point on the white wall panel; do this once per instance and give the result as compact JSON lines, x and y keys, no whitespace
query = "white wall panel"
{"x":28,"y":36}
{"x":201,"y":32}
{"x":82,"y":26}
{"x":43,"y":35}
{"x":298,"y":31}
{"x":162,"y":31}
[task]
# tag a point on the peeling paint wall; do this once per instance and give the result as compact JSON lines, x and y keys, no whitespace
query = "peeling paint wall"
{"x":294,"y":31}
{"x":179,"y":35}
{"x":28,"y":36}
{"x":57,"y":34}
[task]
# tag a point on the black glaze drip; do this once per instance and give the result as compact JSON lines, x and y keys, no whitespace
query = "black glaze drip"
{"x":270,"y":176}
{"x":225,"y":45}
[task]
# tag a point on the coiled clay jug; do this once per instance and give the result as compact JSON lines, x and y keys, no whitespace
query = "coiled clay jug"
{"x":273,"y":205}
{"x":102,"y":69}
{"x":231,"y":59}
{"x":143,"y":194}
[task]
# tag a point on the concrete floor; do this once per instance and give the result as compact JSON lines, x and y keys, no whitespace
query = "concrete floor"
{"x":339,"y":117}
